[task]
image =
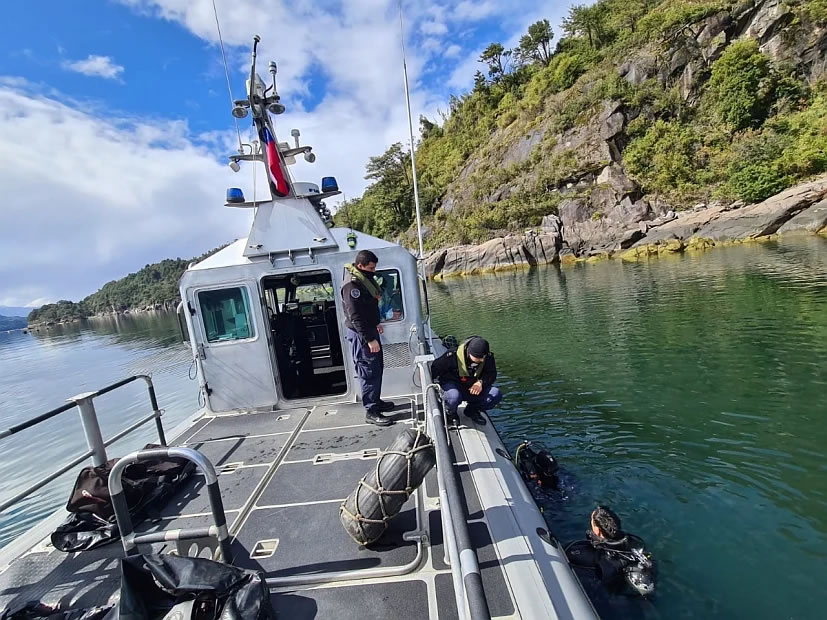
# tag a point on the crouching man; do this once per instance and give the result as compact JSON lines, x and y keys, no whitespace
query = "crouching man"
{"x":468,"y":374}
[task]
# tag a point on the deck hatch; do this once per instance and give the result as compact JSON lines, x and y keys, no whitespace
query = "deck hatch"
{"x":264,"y":549}
{"x":330,"y":457}
{"x":230,"y":468}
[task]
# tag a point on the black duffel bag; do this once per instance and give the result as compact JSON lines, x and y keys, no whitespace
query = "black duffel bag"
{"x":380,"y":494}
{"x":152,"y":586}
{"x":91,"y":522}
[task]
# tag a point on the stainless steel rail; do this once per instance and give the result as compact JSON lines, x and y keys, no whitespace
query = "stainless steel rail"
{"x":91,"y":429}
{"x":128,"y":537}
{"x":465,"y":568}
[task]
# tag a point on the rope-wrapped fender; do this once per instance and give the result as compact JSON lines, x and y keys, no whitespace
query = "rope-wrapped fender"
{"x":382,"y":492}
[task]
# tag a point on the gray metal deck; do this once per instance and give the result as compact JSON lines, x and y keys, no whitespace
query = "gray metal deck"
{"x":301,"y":464}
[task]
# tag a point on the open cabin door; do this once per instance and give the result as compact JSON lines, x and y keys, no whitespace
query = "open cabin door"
{"x":232,"y":344}
{"x":305,"y":334}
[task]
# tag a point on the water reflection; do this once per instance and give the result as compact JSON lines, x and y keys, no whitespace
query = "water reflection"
{"x":40,"y":370}
{"x":687,"y":393}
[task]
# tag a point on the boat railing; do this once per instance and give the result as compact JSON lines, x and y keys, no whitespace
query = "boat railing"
{"x":91,"y":429}
{"x":460,"y":553}
{"x":131,"y":540}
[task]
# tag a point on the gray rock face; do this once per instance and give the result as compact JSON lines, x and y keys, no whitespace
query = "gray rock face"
{"x":532,"y":248}
{"x":771,"y":16}
{"x":799,"y":208}
{"x":612,"y":126}
{"x":551,"y":223}
{"x":811,"y":220}
{"x":522,"y":148}
{"x":764,"y":218}
{"x":434,"y":262}
{"x":614,"y":176}
{"x":574,"y":210}
{"x":639,"y":69}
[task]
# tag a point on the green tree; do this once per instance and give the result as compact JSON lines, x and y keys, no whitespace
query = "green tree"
{"x":536,"y":45}
{"x":585,"y":21}
{"x":739,"y":92}
{"x":496,"y":57}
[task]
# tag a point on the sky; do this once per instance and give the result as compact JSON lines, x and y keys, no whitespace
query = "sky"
{"x":115,"y":116}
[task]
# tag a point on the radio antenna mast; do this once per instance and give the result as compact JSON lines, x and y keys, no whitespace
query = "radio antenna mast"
{"x":421,"y":260}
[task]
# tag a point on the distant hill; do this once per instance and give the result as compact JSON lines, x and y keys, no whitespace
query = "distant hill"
{"x":15,"y":310}
{"x":155,"y":286}
{"x":11,"y":322}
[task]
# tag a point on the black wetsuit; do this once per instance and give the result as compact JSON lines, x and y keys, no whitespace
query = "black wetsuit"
{"x":606,"y":558}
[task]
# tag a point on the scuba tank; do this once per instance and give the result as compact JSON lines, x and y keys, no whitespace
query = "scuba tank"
{"x":641,"y":575}
{"x":536,"y":466}
{"x":627,"y":557}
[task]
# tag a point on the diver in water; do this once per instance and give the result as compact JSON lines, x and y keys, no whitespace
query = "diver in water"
{"x":615,"y":556}
{"x":537,"y":466}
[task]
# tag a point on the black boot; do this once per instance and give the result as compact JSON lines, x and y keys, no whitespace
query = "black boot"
{"x":374,"y":417}
{"x":385,"y":405}
{"x":475,"y":415}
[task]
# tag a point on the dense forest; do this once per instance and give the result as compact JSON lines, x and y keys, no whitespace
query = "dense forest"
{"x":155,"y":285}
{"x":714,"y":118}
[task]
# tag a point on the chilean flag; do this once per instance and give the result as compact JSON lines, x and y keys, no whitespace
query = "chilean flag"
{"x":278,"y":180}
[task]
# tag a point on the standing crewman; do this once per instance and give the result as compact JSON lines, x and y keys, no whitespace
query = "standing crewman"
{"x":360,"y":296}
{"x":468,"y":374}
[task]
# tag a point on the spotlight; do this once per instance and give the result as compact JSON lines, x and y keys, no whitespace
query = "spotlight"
{"x":309,"y":158}
{"x":239,"y":111}
{"x":234,"y":166}
{"x":274,"y":108}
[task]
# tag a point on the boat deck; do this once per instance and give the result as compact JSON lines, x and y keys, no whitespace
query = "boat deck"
{"x":283,"y":475}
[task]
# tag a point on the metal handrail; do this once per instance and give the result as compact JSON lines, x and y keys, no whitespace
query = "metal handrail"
{"x":91,"y":429}
{"x":128,"y":537}
{"x":465,"y":568}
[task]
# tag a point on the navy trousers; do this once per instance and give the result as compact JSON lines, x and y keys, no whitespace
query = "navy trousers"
{"x":456,"y":393}
{"x":369,"y":368}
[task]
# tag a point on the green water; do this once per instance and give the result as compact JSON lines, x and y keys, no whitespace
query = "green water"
{"x":688,"y":393}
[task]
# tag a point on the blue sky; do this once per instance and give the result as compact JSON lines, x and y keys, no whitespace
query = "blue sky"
{"x":114,"y":116}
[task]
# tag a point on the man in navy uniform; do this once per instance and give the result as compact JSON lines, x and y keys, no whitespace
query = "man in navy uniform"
{"x":468,"y":374}
{"x":360,"y":297}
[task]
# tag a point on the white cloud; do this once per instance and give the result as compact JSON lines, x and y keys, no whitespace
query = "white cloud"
{"x":473,"y":11}
{"x":433,"y":27}
{"x":452,"y":51}
{"x":103,"y":196}
{"x":97,"y":198}
{"x":95,"y":66}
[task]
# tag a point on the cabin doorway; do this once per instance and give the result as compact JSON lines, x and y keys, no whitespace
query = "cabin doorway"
{"x":306,"y":342}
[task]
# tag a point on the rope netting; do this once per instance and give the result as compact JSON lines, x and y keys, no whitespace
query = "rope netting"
{"x":381,"y":487}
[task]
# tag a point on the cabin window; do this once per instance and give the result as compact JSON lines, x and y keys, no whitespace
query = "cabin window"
{"x":226,"y":314}
{"x":390,"y":303}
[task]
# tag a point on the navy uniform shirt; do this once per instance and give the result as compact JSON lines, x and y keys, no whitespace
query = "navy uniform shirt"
{"x":361,"y":310}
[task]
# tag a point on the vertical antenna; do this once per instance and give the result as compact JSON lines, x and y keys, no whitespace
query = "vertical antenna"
{"x":410,"y":132}
{"x":421,"y":260}
{"x":227,"y":75}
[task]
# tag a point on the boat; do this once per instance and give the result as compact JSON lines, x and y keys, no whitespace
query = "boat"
{"x":281,"y":440}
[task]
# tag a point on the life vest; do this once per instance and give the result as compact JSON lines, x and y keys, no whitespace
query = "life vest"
{"x":357,"y":276}
{"x":462,"y":365}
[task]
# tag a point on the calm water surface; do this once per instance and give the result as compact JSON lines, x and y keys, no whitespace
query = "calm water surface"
{"x":689,"y":393}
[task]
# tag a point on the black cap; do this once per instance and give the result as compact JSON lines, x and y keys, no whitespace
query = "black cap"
{"x":478,"y":347}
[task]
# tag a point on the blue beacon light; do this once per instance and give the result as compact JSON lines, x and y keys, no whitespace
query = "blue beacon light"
{"x":235,"y":195}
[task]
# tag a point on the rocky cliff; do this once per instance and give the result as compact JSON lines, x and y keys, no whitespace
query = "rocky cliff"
{"x":800,"y":209}
{"x":603,"y":207}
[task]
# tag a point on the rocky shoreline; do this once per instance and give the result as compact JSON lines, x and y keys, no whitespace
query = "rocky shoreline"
{"x":633,"y":230}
